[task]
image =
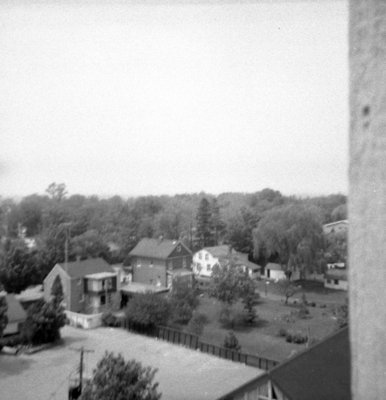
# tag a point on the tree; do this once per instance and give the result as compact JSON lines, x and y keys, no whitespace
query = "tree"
{"x":18,"y":267}
{"x":197,"y":323}
{"x":287,"y":288}
{"x":231,"y":342}
{"x":43,"y":323}
{"x":148,"y":309}
{"x":216,"y":223}
{"x":293,"y":234}
{"x":183,"y":300}
{"x":342,"y":315}
{"x":3,"y":314}
{"x":115,"y":378}
{"x":57,"y":291}
{"x":203,"y":219}
{"x":57,"y":191}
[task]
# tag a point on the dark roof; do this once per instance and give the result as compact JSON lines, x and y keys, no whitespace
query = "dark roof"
{"x":15,"y":312}
{"x":321,"y":372}
{"x":154,"y":248}
{"x":79,"y":269}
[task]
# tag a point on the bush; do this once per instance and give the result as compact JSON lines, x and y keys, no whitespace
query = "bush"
{"x":109,"y":319}
{"x":196,"y":324}
{"x":148,"y":309}
{"x":303,"y":311}
{"x":231,"y":342}
{"x":297,"y":338}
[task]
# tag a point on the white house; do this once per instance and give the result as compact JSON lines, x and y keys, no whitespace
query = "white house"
{"x":336,"y":227}
{"x":336,"y":279}
{"x":206,"y":259}
{"x":276,"y":272}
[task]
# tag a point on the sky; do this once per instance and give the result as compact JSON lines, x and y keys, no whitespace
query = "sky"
{"x":169,"y":97}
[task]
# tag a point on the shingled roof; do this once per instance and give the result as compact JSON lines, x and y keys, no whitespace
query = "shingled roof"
{"x":154,"y":248}
{"x":321,"y":372}
{"x":79,"y":269}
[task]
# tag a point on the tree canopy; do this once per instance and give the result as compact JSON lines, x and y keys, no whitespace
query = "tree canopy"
{"x":292,"y":234}
{"x":115,"y":378}
{"x":3,"y":314}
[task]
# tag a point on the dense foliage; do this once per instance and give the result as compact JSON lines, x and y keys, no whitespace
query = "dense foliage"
{"x":43,"y":323}
{"x":110,"y":228}
{"x":148,"y":309}
{"x":115,"y":378}
{"x":183,"y":300}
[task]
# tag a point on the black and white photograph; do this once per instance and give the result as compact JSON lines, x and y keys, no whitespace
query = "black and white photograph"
{"x":192,"y":199}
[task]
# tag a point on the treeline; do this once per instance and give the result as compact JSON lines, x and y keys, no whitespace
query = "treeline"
{"x":110,"y":228}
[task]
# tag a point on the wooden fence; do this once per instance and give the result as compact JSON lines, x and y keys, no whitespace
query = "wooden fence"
{"x":193,"y":342}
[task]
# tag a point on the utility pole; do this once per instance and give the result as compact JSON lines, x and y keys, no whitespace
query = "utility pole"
{"x":76,"y":395}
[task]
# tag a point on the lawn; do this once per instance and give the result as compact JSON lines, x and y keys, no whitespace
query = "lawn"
{"x":273,"y":315}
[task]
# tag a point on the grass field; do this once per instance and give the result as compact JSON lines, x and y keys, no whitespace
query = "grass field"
{"x":182,"y":373}
{"x":262,"y":339}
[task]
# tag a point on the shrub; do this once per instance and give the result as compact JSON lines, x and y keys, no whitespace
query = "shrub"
{"x":297,"y":338}
{"x":303,"y":311}
{"x":196,"y":324}
{"x":109,"y":319}
{"x":231,"y":342}
{"x":148,"y":309}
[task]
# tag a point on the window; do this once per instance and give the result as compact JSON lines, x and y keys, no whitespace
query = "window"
{"x":208,"y":267}
{"x":206,"y":257}
{"x":103,"y":300}
{"x":200,"y":256}
{"x":336,"y":281}
{"x":329,"y":281}
{"x":184,"y":263}
{"x":151,"y":264}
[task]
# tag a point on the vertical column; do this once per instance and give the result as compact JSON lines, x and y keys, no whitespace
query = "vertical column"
{"x":367,"y":198}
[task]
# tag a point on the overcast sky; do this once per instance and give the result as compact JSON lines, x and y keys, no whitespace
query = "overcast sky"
{"x":136,"y":99}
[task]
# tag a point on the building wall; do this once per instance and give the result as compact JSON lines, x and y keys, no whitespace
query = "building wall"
{"x":77,"y":300}
{"x":367,"y":194}
{"x":49,"y":280}
{"x":11,"y":329}
{"x":150,"y":274}
{"x":203,"y":263}
{"x":341,"y":285}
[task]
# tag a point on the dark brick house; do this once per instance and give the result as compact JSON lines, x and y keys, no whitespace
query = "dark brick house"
{"x":159,"y":261}
{"x":89,"y":286}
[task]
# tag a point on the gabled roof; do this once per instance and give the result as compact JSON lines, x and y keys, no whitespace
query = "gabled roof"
{"x":15,"y":312}
{"x":321,"y":372}
{"x":222,"y":253}
{"x":79,"y":269}
{"x":155,"y":248}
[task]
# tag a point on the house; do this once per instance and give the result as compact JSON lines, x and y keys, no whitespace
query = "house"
{"x":336,"y":278}
{"x":277,"y":272}
{"x":89,"y":286}
{"x":30,"y":296}
{"x":321,"y":372}
{"x":336,"y":227}
{"x":208,"y":258}
{"x":158,"y":262}
{"x":16,"y":315}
